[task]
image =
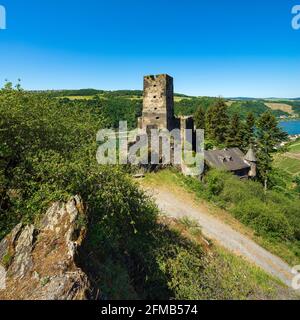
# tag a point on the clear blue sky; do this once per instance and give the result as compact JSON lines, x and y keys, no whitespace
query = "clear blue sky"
{"x":210,"y":47}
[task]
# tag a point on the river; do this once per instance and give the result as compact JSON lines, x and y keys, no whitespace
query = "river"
{"x":291,"y":127}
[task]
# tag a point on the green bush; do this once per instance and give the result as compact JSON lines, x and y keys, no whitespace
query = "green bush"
{"x":265,"y":219}
{"x":47,"y":153}
{"x":215,"y":182}
{"x":274,"y":214}
{"x":236,"y":191}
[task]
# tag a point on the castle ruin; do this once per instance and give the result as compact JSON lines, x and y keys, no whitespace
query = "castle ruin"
{"x":158,"y":103}
{"x":158,"y":113}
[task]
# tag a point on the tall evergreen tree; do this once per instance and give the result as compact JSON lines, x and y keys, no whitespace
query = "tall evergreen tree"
{"x":248,"y":132}
{"x":268,"y":136}
{"x":216,"y":122}
{"x":234,"y":138}
{"x":199,"y":118}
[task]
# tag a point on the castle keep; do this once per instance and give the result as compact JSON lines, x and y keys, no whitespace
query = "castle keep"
{"x":158,"y":113}
{"x":158,"y":105}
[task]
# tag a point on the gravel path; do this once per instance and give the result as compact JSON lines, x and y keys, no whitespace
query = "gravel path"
{"x":174,"y":206}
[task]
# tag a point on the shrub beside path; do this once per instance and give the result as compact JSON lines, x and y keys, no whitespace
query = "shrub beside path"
{"x":176,"y":206}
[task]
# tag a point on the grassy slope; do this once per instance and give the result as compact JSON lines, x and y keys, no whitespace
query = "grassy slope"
{"x":241,"y":279}
{"x":175,"y":180}
{"x":280,"y":106}
{"x":289,"y":165}
{"x":295,"y":147}
{"x":288,"y":161}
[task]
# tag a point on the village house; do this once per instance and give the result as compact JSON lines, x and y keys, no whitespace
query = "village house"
{"x":233,"y":160}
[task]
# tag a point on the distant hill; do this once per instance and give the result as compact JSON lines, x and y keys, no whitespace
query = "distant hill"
{"x":187,"y":105}
{"x":243,"y":98}
{"x":94,"y":92}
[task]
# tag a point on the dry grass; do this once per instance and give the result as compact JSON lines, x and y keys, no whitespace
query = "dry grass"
{"x":280,"y":106}
{"x":229,"y":103}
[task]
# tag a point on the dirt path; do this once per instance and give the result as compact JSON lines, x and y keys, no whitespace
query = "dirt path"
{"x":177,"y":206}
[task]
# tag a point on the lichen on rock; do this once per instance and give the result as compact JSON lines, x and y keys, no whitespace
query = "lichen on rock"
{"x":40,"y":261}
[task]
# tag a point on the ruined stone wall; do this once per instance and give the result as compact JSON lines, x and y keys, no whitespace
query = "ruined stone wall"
{"x":187,"y":123}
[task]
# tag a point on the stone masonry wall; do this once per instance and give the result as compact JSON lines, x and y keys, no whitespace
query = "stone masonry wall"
{"x":158,"y":105}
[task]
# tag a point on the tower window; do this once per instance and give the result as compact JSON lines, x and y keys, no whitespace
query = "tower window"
{"x":157,"y":118}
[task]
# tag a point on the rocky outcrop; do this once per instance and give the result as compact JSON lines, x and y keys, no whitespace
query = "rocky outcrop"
{"x":40,"y":261}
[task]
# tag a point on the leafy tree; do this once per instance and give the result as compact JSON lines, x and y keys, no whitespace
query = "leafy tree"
{"x":47,"y":153}
{"x":216,"y":122}
{"x":257,"y":107}
{"x":269,"y":135}
{"x":121,"y":109}
{"x":186,"y":107}
{"x":199,"y":118}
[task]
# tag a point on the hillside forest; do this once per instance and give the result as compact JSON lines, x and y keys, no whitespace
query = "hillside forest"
{"x":48,"y":153}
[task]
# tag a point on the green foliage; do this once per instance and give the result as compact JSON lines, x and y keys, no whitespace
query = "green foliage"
{"x":256,"y":107}
{"x":44,"y":281}
{"x":120,"y":109}
{"x":114,"y":281}
{"x":234,"y":136}
{"x":92,"y":92}
{"x":265,"y":218}
{"x":123,"y":93}
{"x":199,"y":118}
{"x":287,"y":164}
{"x":192,"y":273}
{"x":274,"y":215}
{"x":6,"y":260}
{"x":47,"y":153}
{"x":268,"y":136}
{"x":216,"y":122}
{"x":297,"y":182}
{"x":48,"y":150}
{"x":187,"y":107}
{"x":191,"y":225}
{"x":294,"y":103}
{"x":248,"y":132}
{"x":215,"y":184}
{"x":40,"y":145}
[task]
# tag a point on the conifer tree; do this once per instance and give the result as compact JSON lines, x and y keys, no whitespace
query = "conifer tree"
{"x":268,"y":136}
{"x":216,"y":122}
{"x":199,"y":118}
{"x":248,"y":132}
{"x":234,"y":138}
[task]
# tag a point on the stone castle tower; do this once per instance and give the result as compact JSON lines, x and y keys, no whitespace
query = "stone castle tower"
{"x":158,"y":105}
{"x":251,"y":159}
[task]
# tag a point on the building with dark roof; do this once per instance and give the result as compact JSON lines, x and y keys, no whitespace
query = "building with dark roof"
{"x":233,"y":160}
